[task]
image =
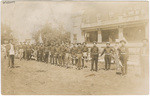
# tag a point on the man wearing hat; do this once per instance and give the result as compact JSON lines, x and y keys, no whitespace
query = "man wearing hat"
{"x":63,"y":54}
{"x":28,"y":51}
{"x":59,"y":55}
{"x":68,"y":56}
{"x":43,"y":54}
{"x":46,"y":53}
{"x":57,"y":48}
{"x":24,"y":50}
{"x":38,"y":49}
{"x":79,"y":56}
{"x":108,"y":52}
{"x":85,"y":53}
{"x":123,"y":56}
{"x":21,"y":51}
{"x":94,"y":56}
{"x":73,"y":54}
{"x":116,"y":58}
{"x":4,"y":48}
{"x":11,"y":53}
{"x":40,"y":52}
{"x":52,"y":50}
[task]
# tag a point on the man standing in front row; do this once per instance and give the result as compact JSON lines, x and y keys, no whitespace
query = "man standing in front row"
{"x":63,"y":54}
{"x":108,"y":52}
{"x":94,"y":56}
{"x":28,"y":52}
{"x":123,"y":56}
{"x":73,"y":52}
{"x":52,"y":50}
{"x":85,"y":53}
{"x":11,"y":51}
{"x":46,"y":53}
{"x":79,"y":56}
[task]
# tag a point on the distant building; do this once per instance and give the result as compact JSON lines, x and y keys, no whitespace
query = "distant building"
{"x":119,"y":21}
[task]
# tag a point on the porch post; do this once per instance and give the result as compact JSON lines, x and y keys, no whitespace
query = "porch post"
{"x":99,"y":36}
{"x":120,"y":33}
{"x":83,"y":36}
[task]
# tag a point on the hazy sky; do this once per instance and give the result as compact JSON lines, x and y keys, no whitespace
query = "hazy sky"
{"x":25,"y":17}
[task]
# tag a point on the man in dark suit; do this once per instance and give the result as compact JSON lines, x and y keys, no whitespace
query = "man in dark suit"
{"x":94,"y":56}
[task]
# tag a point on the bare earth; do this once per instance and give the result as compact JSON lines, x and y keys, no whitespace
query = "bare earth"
{"x":37,"y":78}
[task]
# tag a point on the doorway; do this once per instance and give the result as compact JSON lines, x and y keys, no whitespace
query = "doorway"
{"x":91,"y":36}
{"x":109,"y":35}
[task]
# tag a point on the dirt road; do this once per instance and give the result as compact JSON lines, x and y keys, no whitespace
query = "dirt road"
{"x":37,"y":78}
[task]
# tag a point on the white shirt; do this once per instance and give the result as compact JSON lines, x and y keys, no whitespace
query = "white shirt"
{"x":11,"y":51}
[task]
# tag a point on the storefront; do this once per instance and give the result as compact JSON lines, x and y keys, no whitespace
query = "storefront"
{"x":132,"y":31}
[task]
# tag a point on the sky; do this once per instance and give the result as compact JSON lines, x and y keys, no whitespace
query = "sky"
{"x":26,"y":17}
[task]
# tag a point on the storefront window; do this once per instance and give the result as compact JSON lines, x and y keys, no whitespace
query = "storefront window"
{"x":109,"y":35}
{"x":134,"y":34}
{"x":91,"y":37}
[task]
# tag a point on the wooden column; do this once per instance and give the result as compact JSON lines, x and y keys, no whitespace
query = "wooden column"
{"x":99,"y":36}
{"x":120,"y":33}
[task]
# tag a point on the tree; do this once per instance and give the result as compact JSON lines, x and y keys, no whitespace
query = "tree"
{"x":50,"y":35}
{"x":6,"y":33}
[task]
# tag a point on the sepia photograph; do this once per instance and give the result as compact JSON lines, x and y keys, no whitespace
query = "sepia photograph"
{"x":74,"y":47}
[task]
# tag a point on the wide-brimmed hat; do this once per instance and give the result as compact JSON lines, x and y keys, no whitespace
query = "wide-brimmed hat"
{"x":78,"y":43}
{"x":84,"y":43}
{"x":95,"y":42}
{"x":107,"y":43}
{"x":123,"y":41}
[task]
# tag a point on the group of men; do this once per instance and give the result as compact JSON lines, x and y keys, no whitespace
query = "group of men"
{"x":77,"y":54}
{"x":58,"y":54}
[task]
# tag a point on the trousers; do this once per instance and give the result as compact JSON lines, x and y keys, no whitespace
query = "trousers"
{"x":11,"y":60}
{"x":107,"y":62}
{"x":94,"y":62}
{"x":123,"y":59}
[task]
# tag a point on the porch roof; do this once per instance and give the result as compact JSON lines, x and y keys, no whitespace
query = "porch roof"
{"x":113,"y":24}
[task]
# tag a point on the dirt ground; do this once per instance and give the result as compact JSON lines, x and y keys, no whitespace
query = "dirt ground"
{"x":37,"y":78}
